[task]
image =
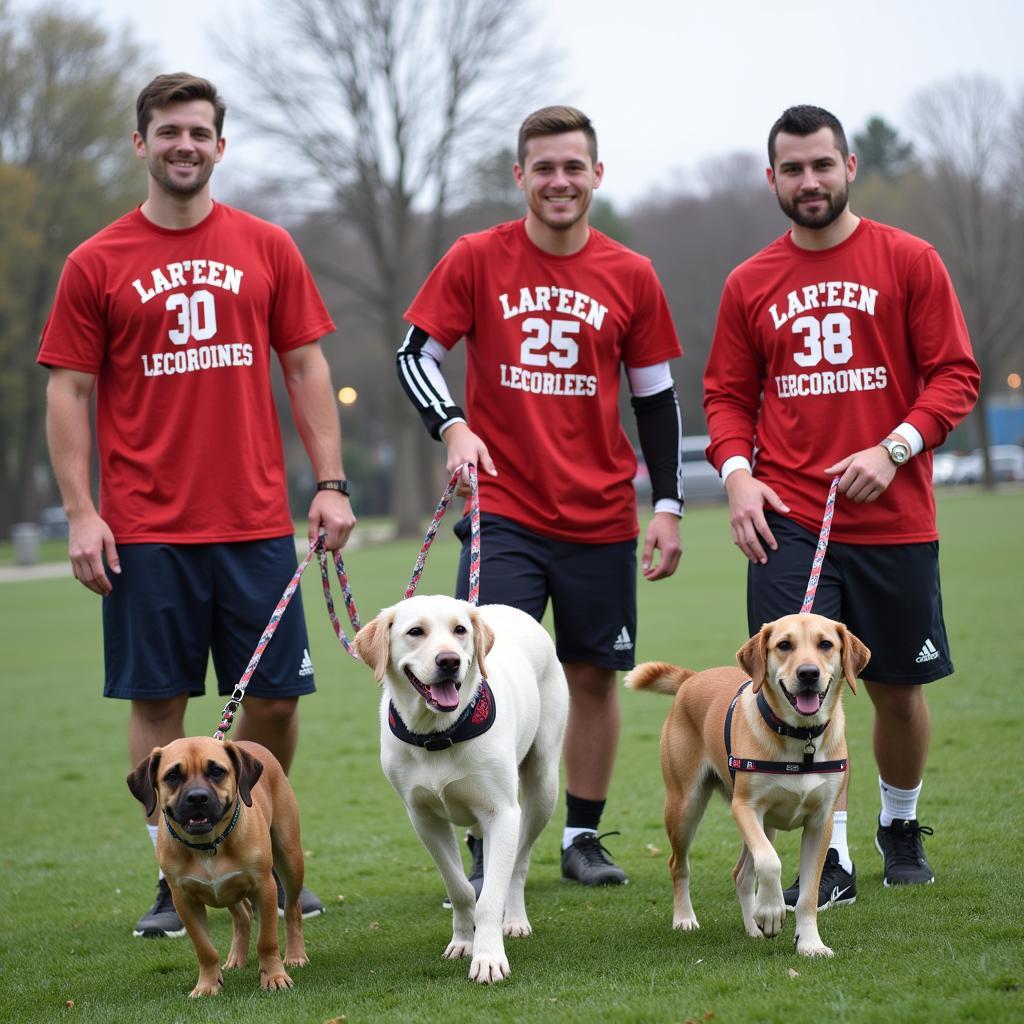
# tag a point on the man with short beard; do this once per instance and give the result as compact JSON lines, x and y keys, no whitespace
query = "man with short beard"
{"x":840,"y":349}
{"x":170,"y":316}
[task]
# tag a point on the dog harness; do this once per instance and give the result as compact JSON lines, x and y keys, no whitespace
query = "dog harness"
{"x":474,"y":721}
{"x":776,"y":724}
{"x":209,"y":847}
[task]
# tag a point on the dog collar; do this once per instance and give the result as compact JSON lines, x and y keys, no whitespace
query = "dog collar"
{"x":807,"y":765}
{"x":475,"y":720}
{"x":210,"y":847}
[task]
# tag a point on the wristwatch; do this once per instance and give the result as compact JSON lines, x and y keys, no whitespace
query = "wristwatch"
{"x":898,"y":451}
{"x":341,"y":486}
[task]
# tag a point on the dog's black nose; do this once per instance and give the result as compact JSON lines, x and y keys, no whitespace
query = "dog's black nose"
{"x":808,"y":675}
{"x":448,"y":662}
{"x":199,"y":798}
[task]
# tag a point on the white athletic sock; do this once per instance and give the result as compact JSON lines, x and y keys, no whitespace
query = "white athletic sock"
{"x":569,"y":834}
{"x":154,"y":831}
{"x":838,"y":841}
{"x":897,"y":804}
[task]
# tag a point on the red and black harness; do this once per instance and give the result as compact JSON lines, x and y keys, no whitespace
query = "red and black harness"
{"x":772,"y":720}
{"x":475,"y":720}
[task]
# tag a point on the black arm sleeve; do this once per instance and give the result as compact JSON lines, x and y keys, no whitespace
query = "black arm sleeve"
{"x":429,"y":396}
{"x":659,"y":423}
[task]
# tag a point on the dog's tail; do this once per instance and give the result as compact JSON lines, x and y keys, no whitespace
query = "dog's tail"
{"x":659,"y":676}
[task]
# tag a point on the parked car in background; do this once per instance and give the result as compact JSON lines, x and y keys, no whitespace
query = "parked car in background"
{"x":1007,"y":464}
{"x":944,"y":465}
{"x":701,"y":483}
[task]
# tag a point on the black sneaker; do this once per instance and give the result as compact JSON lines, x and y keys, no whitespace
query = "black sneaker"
{"x":902,"y":852}
{"x":837,"y":888}
{"x":476,"y":869}
{"x":310,"y":903}
{"x":161,"y":921}
{"x":586,"y":861}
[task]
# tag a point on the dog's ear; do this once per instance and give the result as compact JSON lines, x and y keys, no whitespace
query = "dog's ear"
{"x":142,"y":781}
{"x":753,"y":656}
{"x":483,"y":640}
{"x":248,"y":770}
{"x":373,"y":643}
{"x":855,"y":655}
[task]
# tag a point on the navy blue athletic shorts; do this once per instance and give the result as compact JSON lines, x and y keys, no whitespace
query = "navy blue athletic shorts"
{"x":592,"y":587}
{"x":172,"y":604}
{"x":888,"y":594}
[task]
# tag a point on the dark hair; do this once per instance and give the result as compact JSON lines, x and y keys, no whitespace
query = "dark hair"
{"x":179,"y":87}
{"x":806,"y":120}
{"x":556,"y":121}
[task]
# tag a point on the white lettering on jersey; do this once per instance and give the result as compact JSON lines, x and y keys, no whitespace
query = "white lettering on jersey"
{"x":180,"y":275}
{"x":196,"y":358}
{"x":828,"y":382}
{"x":565,"y":300}
{"x":547,"y":383}
{"x":823,"y":295}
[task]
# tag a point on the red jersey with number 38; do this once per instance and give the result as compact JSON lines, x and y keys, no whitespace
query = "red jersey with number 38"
{"x":547,"y":339}
{"x":819,"y":354}
{"x":178,"y":327}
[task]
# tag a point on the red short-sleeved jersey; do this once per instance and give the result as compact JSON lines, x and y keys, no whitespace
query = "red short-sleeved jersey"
{"x":178,"y":327}
{"x":547,"y":338}
{"x":819,"y":354}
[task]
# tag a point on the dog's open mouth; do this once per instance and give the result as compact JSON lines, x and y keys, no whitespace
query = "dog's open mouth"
{"x":444,"y":696}
{"x":806,"y":702}
{"x":198,"y":826}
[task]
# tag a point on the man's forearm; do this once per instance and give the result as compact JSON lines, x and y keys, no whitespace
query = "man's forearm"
{"x":308,"y":381}
{"x":69,"y":437}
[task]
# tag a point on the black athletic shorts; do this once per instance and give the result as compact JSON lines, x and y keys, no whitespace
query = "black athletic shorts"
{"x":172,"y":604}
{"x":888,"y":594}
{"x":592,"y":587}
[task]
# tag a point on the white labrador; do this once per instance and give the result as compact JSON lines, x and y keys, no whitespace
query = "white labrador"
{"x":432,"y":654}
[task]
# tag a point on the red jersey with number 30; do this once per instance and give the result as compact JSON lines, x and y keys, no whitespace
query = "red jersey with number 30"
{"x":819,"y":354}
{"x":178,"y":328}
{"x":547,"y":339}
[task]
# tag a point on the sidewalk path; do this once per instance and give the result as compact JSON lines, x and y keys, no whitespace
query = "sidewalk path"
{"x":361,"y":537}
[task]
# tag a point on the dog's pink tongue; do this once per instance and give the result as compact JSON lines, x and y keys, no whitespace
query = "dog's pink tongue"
{"x":807,"y":702}
{"x":445,"y":695}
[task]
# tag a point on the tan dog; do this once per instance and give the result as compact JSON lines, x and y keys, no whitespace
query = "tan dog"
{"x":229,"y":817}
{"x":459,"y":752}
{"x":796,"y":665}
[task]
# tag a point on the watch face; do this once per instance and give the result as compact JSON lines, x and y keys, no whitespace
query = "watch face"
{"x":899,"y":453}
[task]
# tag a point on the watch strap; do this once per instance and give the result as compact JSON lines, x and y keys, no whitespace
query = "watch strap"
{"x":341,"y":486}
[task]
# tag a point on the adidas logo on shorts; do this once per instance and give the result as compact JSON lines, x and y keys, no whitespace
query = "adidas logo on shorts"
{"x":306,"y":668}
{"x":927,"y":653}
{"x":622,"y":641}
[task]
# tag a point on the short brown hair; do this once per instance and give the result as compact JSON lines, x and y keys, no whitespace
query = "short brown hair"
{"x":179,"y":87}
{"x":556,"y":121}
{"x":804,"y":120}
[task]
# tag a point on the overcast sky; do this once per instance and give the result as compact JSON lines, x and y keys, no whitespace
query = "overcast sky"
{"x":671,"y":83}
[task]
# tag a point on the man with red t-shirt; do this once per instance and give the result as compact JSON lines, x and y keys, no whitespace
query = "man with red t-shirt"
{"x":170,"y":315}
{"x":841,"y":349}
{"x":551,"y":311}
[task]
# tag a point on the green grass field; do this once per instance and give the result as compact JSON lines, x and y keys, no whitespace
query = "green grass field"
{"x":77,"y":869}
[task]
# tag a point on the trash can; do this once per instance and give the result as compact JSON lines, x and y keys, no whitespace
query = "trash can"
{"x":25,"y":537}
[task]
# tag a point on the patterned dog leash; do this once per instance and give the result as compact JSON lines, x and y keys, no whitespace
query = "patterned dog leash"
{"x":819,"y":554}
{"x":318,"y":549}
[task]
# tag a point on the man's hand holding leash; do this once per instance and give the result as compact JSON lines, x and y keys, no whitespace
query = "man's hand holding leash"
{"x":466,"y":447}
{"x":866,"y":474}
{"x":331,"y":513}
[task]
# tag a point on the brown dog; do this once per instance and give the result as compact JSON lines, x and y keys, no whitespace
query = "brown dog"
{"x":229,"y":817}
{"x":788,"y":755}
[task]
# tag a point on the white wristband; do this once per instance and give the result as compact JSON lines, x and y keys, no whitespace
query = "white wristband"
{"x":732,"y":464}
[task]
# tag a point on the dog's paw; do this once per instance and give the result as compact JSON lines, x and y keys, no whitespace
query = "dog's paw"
{"x":686,"y":924}
{"x":487,"y":969}
{"x":299,"y":960}
{"x":235,"y":961}
{"x":517,"y":929}
{"x":812,"y":947}
{"x":274,"y":981}
{"x":458,"y":948}
{"x":768,"y":916}
{"x":207,"y":986}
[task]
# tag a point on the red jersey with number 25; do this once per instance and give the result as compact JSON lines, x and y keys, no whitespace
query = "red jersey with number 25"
{"x":819,"y":354}
{"x":178,"y":328}
{"x":547,"y":339}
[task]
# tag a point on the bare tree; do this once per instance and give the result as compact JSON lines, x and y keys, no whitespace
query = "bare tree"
{"x":384,"y":105}
{"x":966,"y":131}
